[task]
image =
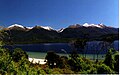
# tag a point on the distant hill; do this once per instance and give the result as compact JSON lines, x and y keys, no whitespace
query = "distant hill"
{"x":92,"y":31}
{"x":39,"y":34}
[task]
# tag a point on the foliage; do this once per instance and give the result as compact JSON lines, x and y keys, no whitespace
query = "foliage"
{"x":52,"y":59}
{"x":18,"y":54}
{"x":112,"y":60}
{"x":63,"y":63}
{"x":74,"y":55}
{"x":5,"y":60}
{"x":109,"y":60}
{"x":74,"y":61}
{"x":92,"y":70}
{"x":17,"y":63}
{"x":80,"y":43}
{"x":9,"y":66}
{"x":104,"y":69}
{"x":116,"y":63}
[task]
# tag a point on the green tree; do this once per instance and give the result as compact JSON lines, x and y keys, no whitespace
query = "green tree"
{"x":116,"y":64}
{"x":18,"y":54}
{"x":52,"y":59}
{"x":63,"y":63}
{"x":80,"y":44}
{"x":102,"y":48}
{"x":104,"y":69}
{"x":75,"y":61}
{"x":109,"y":61}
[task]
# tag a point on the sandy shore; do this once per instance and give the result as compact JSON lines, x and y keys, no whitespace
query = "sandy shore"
{"x":35,"y":60}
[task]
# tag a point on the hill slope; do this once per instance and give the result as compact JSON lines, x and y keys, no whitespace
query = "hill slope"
{"x":39,"y":34}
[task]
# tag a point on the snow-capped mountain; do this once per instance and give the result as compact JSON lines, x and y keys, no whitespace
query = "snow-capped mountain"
{"x":60,"y":30}
{"x":20,"y":26}
{"x":92,"y":25}
{"x":16,"y":25}
{"x":47,"y":27}
{"x":41,"y":33}
{"x":87,"y":25}
{"x":75,"y":26}
{"x":29,"y":27}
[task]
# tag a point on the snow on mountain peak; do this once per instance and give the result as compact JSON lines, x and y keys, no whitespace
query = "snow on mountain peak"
{"x":86,"y":25}
{"x":47,"y":27}
{"x":60,"y":30}
{"x":29,"y":27}
{"x":16,"y":25}
{"x":92,"y":25}
{"x":101,"y":25}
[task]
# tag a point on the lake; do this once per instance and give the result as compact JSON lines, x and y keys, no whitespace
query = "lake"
{"x":91,"y":47}
{"x":40,"y":50}
{"x":41,"y":55}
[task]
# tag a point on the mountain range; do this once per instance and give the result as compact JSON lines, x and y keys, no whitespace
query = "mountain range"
{"x":37,"y":34}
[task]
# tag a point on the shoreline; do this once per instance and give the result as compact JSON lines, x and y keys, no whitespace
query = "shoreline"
{"x":35,"y":60}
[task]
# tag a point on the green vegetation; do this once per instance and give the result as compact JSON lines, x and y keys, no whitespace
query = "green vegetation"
{"x":16,"y":62}
{"x":12,"y":63}
{"x":80,"y":65}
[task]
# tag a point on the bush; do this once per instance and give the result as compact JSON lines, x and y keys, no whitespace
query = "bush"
{"x":48,"y":70}
{"x":54,"y":60}
{"x":104,"y":69}
{"x":17,"y":63}
{"x":92,"y":71}
{"x":63,"y":63}
{"x":109,"y":61}
{"x":116,"y":64}
{"x":18,"y":54}
{"x":5,"y":59}
{"x":67,"y":71}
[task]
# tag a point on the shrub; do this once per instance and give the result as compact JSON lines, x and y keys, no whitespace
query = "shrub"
{"x":92,"y":71}
{"x":76,"y":64}
{"x":5,"y":59}
{"x":67,"y":71}
{"x":104,"y":69}
{"x":53,"y":60}
{"x":116,"y":64}
{"x":109,"y":61}
{"x":63,"y":63}
{"x":48,"y":70}
{"x":18,"y":54}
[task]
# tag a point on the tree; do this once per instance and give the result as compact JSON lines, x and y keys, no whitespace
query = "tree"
{"x":18,"y":54}
{"x":75,"y":61}
{"x":80,"y":44}
{"x":63,"y":63}
{"x":116,"y":64}
{"x":109,"y":61}
{"x":109,"y":40}
{"x":103,"y":69}
{"x":102,"y":46}
{"x":106,"y":43}
{"x":52,"y":59}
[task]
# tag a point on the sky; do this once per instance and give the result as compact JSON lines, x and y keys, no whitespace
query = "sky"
{"x":59,"y":13}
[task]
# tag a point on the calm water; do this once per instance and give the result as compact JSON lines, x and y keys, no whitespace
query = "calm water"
{"x":91,"y":47}
{"x":40,"y":55}
{"x":36,"y":50}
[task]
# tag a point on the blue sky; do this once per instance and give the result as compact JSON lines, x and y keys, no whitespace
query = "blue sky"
{"x":58,"y":13}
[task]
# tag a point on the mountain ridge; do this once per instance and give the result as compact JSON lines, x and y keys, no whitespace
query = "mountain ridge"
{"x":39,"y":34}
{"x":70,"y":26}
